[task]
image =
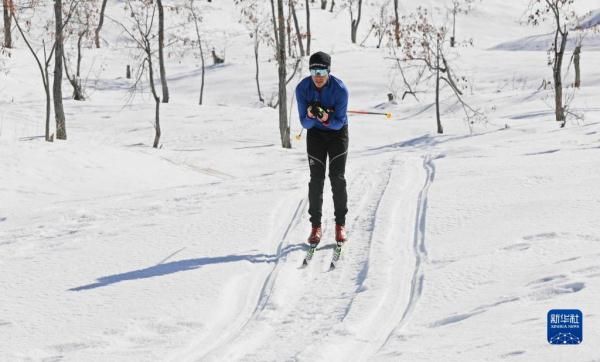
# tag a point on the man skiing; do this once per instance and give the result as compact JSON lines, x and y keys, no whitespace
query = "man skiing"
{"x":322,"y":104}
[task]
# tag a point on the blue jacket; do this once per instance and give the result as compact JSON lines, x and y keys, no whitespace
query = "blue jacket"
{"x":333,"y":95}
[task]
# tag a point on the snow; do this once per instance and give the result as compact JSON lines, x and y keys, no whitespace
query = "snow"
{"x":459,"y":244}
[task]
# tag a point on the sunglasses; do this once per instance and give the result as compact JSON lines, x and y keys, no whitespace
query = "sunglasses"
{"x":319,"y":72}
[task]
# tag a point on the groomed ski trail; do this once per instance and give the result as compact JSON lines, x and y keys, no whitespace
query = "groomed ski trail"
{"x":351,"y":312}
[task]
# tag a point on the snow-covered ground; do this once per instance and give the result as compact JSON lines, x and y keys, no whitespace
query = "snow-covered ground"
{"x":459,"y":246}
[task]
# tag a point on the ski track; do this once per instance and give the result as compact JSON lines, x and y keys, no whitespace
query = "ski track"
{"x":227,"y":334}
{"x":309,"y":311}
{"x":383,"y":302}
{"x":420,"y":251}
{"x":284,"y":314}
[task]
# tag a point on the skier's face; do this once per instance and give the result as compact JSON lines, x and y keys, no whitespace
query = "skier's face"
{"x":319,"y":77}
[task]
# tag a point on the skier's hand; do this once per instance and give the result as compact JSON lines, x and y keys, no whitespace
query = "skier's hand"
{"x":325,"y":119}
{"x":309,"y":113}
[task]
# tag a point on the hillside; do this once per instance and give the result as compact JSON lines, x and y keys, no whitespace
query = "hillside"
{"x":459,"y":243}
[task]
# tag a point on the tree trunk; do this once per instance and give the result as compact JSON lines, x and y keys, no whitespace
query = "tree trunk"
{"x":256,"y":44}
{"x":7,"y":5}
{"x":275,"y":25}
{"x":308,"y":35}
{"x":161,"y":57}
{"x":199,"y":38}
{"x":557,"y":73}
{"x":156,"y":97}
{"x":44,"y":73}
{"x":203,"y":72}
{"x":100,"y":23}
{"x":75,"y":82}
{"x":323,"y":4}
{"x":576,"y":60}
{"x":48,"y":108}
{"x":297,"y":26}
{"x":332,"y":5}
{"x":440,"y":130}
{"x":284,"y":127}
{"x":59,"y":113}
{"x":453,"y":37}
{"x":355,"y":23}
{"x":79,"y":56}
{"x":288,"y":29}
{"x":396,"y":24}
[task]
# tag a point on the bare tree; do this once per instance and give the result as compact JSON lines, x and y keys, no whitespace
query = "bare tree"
{"x":45,"y":76}
{"x":8,"y":8}
{"x":297,"y":26}
{"x":81,"y":27}
{"x":161,"y":46}
{"x":195,"y":17}
{"x":458,"y":7}
{"x":256,"y":19}
{"x":274,"y":21}
{"x":43,"y":67}
{"x":582,"y":31}
{"x":354,"y":22}
{"x":559,"y":11}
{"x":284,"y":126}
{"x":381,"y":24}
{"x":308,"y":34}
{"x":143,"y":13}
{"x":577,"y":61}
{"x":396,"y":24}
{"x":423,"y":42}
{"x":100,"y":23}
{"x":59,"y":112}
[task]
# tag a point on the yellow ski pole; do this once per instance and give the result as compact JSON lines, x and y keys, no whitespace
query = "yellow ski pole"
{"x":388,"y":115}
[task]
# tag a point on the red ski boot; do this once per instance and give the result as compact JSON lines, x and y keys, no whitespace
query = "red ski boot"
{"x":315,"y":235}
{"x":340,"y":234}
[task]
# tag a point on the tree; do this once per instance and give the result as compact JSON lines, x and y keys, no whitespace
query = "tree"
{"x":161,"y":46}
{"x":583,"y":28}
{"x":8,"y":8}
{"x":195,"y":17}
{"x":59,"y":112}
{"x":380,"y":24}
{"x":142,"y":33}
{"x":560,"y":13}
{"x":422,"y":41}
{"x":396,"y":24}
{"x":256,"y":19}
{"x":43,"y":67}
{"x":80,"y":26}
{"x":297,"y":26}
{"x":354,"y":22}
{"x":308,"y":34}
{"x":459,"y":6}
{"x":100,"y":23}
{"x":284,"y":126}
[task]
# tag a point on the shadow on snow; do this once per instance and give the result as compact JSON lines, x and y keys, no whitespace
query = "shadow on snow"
{"x":185,"y":265}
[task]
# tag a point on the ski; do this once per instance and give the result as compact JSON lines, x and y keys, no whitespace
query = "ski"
{"x":337,"y":253}
{"x":309,"y":255}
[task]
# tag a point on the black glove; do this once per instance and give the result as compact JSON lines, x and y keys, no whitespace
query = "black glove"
{"x":316,"y":109}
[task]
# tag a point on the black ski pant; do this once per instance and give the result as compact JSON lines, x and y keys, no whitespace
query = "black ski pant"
{"x":319,"y":145}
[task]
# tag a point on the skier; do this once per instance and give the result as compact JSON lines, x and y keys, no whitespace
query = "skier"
{"x":322,"y":104}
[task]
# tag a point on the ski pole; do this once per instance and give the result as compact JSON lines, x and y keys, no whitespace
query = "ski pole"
{"x":387,"y":115}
